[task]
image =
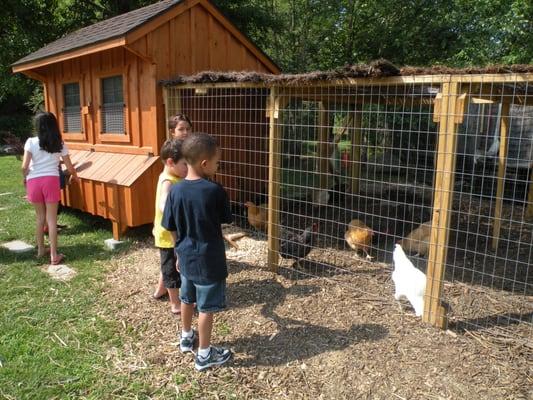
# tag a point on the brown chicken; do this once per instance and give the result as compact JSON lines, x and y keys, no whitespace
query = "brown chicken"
{"x":418,"y":240}
{"x":257,"y":215}
{"x":359,"y":236}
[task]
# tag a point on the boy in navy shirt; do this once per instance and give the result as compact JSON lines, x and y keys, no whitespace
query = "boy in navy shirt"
{"x":195,"y":209}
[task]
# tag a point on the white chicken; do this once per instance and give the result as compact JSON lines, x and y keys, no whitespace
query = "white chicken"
{"x":409,"y":281}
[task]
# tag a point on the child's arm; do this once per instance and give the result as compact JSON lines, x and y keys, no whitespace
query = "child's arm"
{"x":26,"y":165}
{"x":226,"y":216}
{"x":165,"y":189}
{"x":70,"y":168}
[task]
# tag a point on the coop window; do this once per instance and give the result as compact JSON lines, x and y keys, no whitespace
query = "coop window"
{"x":112,"y":110}
{"x":71,"y":109}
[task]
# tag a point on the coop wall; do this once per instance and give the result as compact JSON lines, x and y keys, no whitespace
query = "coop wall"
{"x":392,"y":156}
{"x":117,"y":203}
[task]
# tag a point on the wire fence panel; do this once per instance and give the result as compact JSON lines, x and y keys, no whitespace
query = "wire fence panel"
{"x":348,"y":170}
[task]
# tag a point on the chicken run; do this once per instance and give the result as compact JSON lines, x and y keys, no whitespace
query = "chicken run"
{"x":333,"y":169}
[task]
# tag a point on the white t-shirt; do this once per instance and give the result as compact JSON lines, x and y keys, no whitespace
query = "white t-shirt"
{"x":42,"y":162}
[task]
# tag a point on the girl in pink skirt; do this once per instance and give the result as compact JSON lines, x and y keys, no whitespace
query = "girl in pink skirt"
{"x":42,"y":155}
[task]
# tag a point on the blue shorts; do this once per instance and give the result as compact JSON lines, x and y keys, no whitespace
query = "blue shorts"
{"x":208,"y":298}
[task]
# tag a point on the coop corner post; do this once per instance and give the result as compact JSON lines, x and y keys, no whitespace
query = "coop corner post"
{"x":356,"y":140}
{"x":502,"y":164}
{"x":274,"y":176}
{"x":449,"y":114}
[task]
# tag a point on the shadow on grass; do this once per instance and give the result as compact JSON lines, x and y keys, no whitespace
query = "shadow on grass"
{"x":295,"y":339}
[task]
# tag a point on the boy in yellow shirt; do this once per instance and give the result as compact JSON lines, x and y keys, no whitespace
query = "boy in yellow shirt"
{"x":175,"y":169}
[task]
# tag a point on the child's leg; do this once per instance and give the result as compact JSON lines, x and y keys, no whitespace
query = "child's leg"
{"x":187,"y":312}
{"x":51,"y":219}
{"x":160,"y":290}
{"x":205,"y":327}
{"x":171,"y":277}
{"x":40,"y":218}
{"x":175,"y":304}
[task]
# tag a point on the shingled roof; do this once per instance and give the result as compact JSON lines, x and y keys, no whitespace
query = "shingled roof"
{"x":101,"y":31}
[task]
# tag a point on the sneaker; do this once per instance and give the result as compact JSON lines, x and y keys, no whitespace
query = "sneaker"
{"x":217,"y":356}
{"x":187,"y":343}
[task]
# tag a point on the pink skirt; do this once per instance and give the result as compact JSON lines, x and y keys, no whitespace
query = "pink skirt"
{"x":44,"y":189}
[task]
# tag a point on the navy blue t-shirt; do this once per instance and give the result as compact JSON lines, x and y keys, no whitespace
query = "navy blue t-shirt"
{"x":195,"y":210}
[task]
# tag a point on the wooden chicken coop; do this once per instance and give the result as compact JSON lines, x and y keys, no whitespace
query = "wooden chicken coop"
{"x":395,"y":149}
{"x":101,"y":83}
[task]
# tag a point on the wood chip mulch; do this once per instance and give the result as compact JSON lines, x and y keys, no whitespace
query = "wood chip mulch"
{"x":298,"y":336}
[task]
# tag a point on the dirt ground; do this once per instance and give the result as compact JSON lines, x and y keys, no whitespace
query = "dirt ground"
{"x":297,"y":336}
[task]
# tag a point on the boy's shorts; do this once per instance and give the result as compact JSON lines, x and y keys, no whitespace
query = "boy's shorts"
{"x":171,"y":277}
{"x":209,"y":298}
{"x":44,"y":189}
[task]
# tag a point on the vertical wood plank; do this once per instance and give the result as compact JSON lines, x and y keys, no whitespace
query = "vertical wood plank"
{"x":274,"y":177}
{"x":355,"y":149}
{"x":323,"y":144}
{"x":502,"y":164}
{"x":434,"y":312}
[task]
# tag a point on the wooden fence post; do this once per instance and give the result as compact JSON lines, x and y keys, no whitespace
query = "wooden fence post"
{"x":323,"y":145}
{"x":449,"y":114}
{"x":274,"y":176}
{"x":502,"y":163}
{"x":355,"y":149}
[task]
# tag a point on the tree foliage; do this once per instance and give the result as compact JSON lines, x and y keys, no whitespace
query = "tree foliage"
{"x":300,"y":35}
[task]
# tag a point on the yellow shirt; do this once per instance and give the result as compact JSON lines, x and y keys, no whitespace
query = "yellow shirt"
{"x":163,"y":238}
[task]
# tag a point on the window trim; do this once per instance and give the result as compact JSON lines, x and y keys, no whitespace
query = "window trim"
{"x":81,"y":135}
{"x":120,"y":137}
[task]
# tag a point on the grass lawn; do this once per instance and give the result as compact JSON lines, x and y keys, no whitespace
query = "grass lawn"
{"x":55,"y":337}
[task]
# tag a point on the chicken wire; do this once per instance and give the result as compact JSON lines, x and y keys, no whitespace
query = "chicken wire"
{"x":369,"y":152}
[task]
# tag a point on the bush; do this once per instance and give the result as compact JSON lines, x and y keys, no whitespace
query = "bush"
{"x":19,"y":125}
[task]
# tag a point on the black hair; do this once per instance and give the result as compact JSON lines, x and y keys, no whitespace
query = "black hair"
{"x":47,"y":129}
{"x":199,"y":146}
{"x":175,"y":119}
{"x":172,"y":148}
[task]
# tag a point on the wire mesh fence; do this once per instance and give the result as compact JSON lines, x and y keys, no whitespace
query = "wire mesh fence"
{"x":350,"y":169}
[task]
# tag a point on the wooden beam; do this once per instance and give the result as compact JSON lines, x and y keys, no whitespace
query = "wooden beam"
{"x":355,"y":149}
{"x":502,"y":164}
{"x":323,"y":145}
{"x":35,"y":75}
{"x":274,"y":176}
{"x":142,"y":56}
{"x":434,"y":312}
{"x":387,"y":81}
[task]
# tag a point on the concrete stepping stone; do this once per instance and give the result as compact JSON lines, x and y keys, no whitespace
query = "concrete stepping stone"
{"x":113,"y":244}
{"x":18,"y":246}
{"x":60,"y":272}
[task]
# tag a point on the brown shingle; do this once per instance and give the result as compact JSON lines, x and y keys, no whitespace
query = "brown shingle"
{"x":101,"y":31}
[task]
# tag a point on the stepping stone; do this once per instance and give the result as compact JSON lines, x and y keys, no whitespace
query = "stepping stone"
{"x":6,"y":193}
{"x":113,"y":244}
{"x":60,"y":272}
{"x":18,"y":246}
